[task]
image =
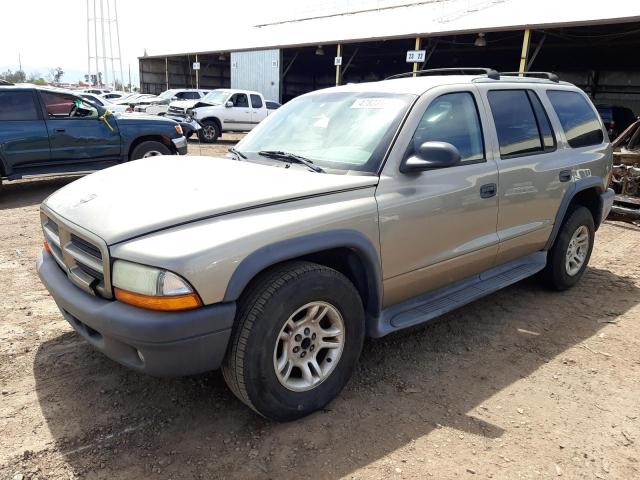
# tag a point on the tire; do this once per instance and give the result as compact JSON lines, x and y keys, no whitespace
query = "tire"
{"x":149,"y":148}
{"x":560,"y":274}
{"x":209,"y":132}
{"x":256,"y":346}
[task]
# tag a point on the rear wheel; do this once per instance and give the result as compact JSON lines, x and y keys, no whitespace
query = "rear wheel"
{"x":298,"y":335}
{"x":149,"y":148}
{"x":569,"y":256}
{"x":209,"y":132}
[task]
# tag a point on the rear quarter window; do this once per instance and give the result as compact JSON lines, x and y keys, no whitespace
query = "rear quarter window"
{"x":579,"y":122}
{"x":17,"y":106}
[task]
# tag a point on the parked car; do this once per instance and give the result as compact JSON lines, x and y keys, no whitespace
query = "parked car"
{"x":358,"y":210}
{"x":616,"y":119}
{"x":106,"y":104}
{"x":183,"y":98}
{"x":272,"y":106}
{"x":97,"y":91}
{"x":114,"y":95}
{"x":134,"y":99}
{"x":225,"y":110}
{"x":45,"y":131}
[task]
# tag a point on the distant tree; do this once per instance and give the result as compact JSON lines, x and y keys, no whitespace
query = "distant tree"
{"x":55,"y":75}
{"x":14,"y":77}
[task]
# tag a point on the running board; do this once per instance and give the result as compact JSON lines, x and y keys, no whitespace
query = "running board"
{"x":438,"y":302}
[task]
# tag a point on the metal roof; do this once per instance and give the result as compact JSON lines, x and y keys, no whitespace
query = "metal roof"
{"x":435,"y":18}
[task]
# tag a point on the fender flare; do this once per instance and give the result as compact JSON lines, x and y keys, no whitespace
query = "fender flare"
{"x":577,"y":187}
{"x":293,"y":248}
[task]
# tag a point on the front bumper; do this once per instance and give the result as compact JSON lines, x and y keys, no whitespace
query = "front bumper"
{"x":607,"y":202}
{"x":181,"y":145}
{"x":157,"y":343}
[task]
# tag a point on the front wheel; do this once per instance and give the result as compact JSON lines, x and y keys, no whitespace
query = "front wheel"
{"x":149,"y":149}
{"x":569,"y":256}
{"x":298,"y":335}
{"x":209,"y":132}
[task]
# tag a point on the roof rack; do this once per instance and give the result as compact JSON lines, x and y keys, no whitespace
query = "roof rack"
{"x":548,"y":75}
{"x":489,"y":72}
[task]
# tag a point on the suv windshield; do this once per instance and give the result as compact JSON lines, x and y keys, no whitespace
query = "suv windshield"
{"x":167,"y":94}
{"x":216,"y":97}
{"x":335,"y":130}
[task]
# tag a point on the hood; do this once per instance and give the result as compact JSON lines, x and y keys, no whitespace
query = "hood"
{"x":132,"y":118}
{"x":183,"y":103}
{"x":146,"y":195}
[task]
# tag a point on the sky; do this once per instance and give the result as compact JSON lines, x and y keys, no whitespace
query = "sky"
{"x":53,"y":33}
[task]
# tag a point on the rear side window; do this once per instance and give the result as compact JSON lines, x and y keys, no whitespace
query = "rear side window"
{"x":17,"y":106}
{"x":579,"y":122}
{"x":544,"y":125}
{"x":256,"y":101}
{"x":190,"y":95}
{"x":452,"y":118}
{"x":517,"y":124}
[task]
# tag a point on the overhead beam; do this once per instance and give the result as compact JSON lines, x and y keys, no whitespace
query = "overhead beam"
{"x":353,"y":55}
{"x":286,"y":70}
{"x":536,"y":51}
{"x":431,"y":52}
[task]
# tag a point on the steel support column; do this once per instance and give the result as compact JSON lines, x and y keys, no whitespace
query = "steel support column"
{"x":525,"y":51}
{"x":338,"y":54}
{"x":166,"y":71}
{"x":415,"y":64}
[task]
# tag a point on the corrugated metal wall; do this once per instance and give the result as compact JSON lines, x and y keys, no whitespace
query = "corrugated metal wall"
{"x":258,"y":70}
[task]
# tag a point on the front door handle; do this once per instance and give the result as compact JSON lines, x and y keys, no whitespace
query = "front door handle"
{"x":488,"y":190}
{"x":60,"y":130}
{"x":565,"y":175}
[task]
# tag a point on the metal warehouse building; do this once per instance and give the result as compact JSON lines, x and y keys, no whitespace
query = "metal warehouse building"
{"x":595,"y":45}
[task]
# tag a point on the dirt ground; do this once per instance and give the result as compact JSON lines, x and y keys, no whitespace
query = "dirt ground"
{"x":525,"y":383}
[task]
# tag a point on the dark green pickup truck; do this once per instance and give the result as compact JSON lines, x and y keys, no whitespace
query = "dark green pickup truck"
{"x":45,"y":131}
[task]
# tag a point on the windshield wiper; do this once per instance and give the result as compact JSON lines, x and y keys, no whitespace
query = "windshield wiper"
{"x":290,"y":157}
{"x":237,"y":153}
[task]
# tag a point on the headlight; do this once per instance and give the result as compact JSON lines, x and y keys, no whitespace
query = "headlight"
{"x":179,"y":129}
{"x":152,"y":288}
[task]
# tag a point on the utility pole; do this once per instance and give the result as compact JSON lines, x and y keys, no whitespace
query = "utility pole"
{"x":129,"y":78}
{"x":115,"y":11}
{"x":95,"y":43}
{"x":104,"y":45}
{"x":113,"y":68}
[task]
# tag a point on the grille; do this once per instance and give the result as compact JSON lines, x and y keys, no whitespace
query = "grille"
{"x":176,"y":110}
{"x":84,"y":259}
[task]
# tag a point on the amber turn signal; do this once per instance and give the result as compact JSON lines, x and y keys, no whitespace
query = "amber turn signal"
{"x":163,"y":303}
{"x":47,"y":247}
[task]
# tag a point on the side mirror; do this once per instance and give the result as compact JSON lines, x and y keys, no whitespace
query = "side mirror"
{"x":431,"y":155}
{"x":173,"y":99}
{"x":228,"y":104}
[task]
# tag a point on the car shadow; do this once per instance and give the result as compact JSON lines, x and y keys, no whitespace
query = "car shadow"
{"x":117,"y":423}
{"x":25,"y":193}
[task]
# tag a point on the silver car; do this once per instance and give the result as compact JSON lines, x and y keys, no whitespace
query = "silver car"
{"x":349,"y":212}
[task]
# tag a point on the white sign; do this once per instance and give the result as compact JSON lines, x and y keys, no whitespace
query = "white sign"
{"x":196,"y":65}
{"x":416,"y":56}
{"x":337,"y":61}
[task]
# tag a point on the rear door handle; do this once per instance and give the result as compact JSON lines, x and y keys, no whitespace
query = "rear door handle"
{"x":488,"y":190}
{"x":60,"y":130}
{"x":565,"y":175}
